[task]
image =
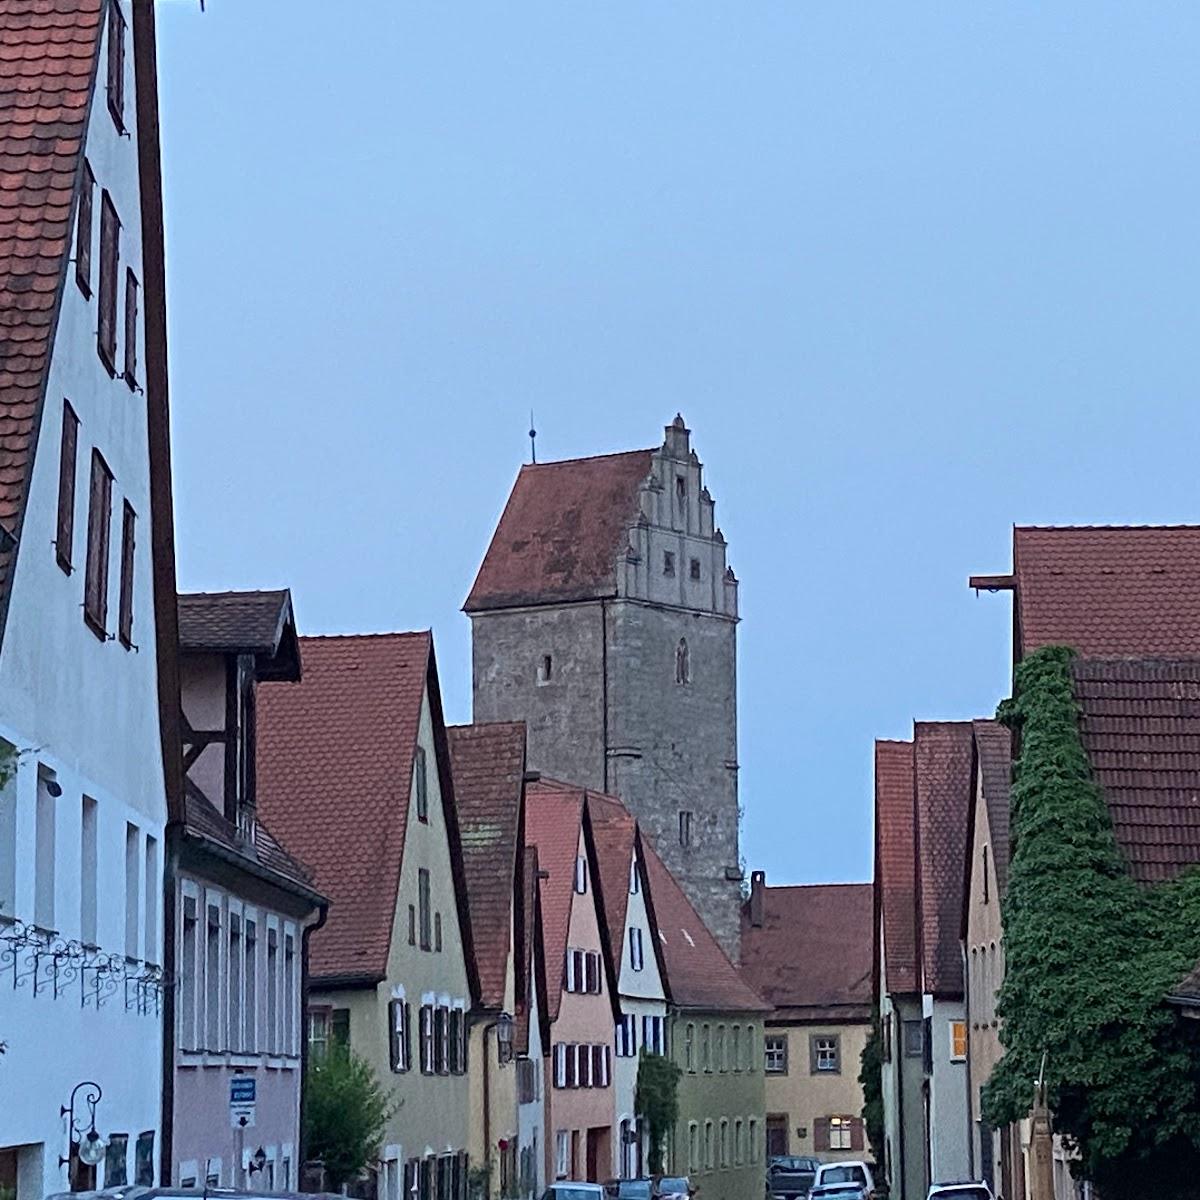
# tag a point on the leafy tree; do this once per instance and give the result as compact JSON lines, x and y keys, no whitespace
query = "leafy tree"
{"x":1090,"y":957}
{"x":657,"y":1102}
{"x":346,"y":1111}
{"x":870,"y":1077}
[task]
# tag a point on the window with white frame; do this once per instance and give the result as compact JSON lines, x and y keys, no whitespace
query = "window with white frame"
{"x":840,"y":1133}
{"x":133,"y":891}
{"x":654,"y":1034}
{"x":581,"y":875}
{"x":188,"y":975}
{"x":626,"y":1036}
{"x":152,"y":886}
{"x":562,"y":1153}
{"x":236,"y":961}
{"x":825,"y":1052}
{"x":693,"y":1147}
{"x":250,"y":982}
{"x":637,"y":959}
{"x":635,"y":882}
{"x":708,"y":1146}
{"x":775,"y":1057}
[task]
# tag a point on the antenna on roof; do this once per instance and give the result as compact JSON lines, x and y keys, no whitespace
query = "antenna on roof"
{"x":532,"y":439}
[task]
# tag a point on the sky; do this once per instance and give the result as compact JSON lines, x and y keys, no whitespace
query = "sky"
{"x":912,"y":273}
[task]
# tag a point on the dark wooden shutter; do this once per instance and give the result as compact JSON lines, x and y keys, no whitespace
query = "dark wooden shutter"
{"x":571,"y":1072}
{"x":393,"y":1011}
{"x":821,"y":1133}
{"x":83,"y":231}
{"x":125,"y":618}
{"x":593,"y":972}
{"x":116,"y":65}
{"x":67,"y":464}
{"x":406,"y":1039}
{"x":95,"y":592}
{"x":856,"y":1133}
{"x":110,"y":236}
{"x":131,"y":327}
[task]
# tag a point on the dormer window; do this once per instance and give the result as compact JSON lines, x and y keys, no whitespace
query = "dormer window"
{"x":116,"y":64}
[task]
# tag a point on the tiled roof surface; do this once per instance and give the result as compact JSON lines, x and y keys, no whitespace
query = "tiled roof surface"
{"x":335,"y":761}
{"x":1110,"y":592}
{"x":201,"y":819}
{"x":47,"y":56}
{"x":699,"y":975}
{"x":1140,"y":724}
{"x":488,"y":762}
{"x":553,"y":816}
{"x":993,"y":748}
{"x":561,"y":531}
{"x":895,"y":862}
{"x":233,"y":621}
{"x":614,"y":831}
{"x":812,"y":953}
{"x":942,"y":755}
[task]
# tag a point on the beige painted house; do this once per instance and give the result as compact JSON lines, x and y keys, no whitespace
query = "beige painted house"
{"x":354,"y":772}
{"x":807,"y":950}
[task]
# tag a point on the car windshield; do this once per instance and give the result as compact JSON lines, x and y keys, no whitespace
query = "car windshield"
{"x":634,"y":1189}
{"x":838,"y":1193}
{"x":674,"y":1184}
{"x":573,"y":1193}
{"x":792,"y":1164}
{"x":961,"y":1193}
{"x":850,"y":1174}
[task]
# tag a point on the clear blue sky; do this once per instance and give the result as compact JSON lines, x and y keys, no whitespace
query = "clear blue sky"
{"x":912,"y":272}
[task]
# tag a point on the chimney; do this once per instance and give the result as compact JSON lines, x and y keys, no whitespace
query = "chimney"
{"x":758,"y":885}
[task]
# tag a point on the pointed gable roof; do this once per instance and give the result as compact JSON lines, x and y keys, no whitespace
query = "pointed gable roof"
{"x":942,"y":753}
{"x":561,"y":532}
{"x":532,"y":976}
{"x":488,"y":762}
{"x":1108,"y":591}
{"x":993,"y":757}
{"x":615,"y":832}
{"x":335,"y":768}
{"x":895,"y":864}
{"x":699,"y":974}
{"x":48,"y":53}
{"x":811,"y":956}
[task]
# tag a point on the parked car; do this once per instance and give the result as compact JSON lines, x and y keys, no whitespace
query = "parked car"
{"x":974,"y":1190}
{"x":839,"y":1191}
{"x":566,"y":1190}
{"x":846,"y":1172}
{"x":673,"y":1187}
{"x":790,"y":1175}
{"x":629,"y":1189}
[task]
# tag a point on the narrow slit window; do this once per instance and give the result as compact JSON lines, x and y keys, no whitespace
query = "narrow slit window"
{"x":422,"y":783}
{"x":125,"y":615}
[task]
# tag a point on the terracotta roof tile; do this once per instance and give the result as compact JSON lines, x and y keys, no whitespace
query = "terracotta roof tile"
{"x":48,"y":53}
{"x":895,"y":863}
{"x":942,"y":760}
{"x":335,"y":763}
{"x":488,"y":761}
{"x":553,"y":816}
{"x":1140,"y":724}
{"x":1110,"y":592}
{"x":699,"y":974}
{"x":561,"y":532}
{"x":811,"y":956}
{"x":993,"y":752}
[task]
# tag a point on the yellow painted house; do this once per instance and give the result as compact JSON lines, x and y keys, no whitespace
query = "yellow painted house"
{"x":354,"y":776}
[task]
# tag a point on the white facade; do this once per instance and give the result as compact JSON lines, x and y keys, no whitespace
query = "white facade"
{"x":949,"y":1104}
{"x":81,"y":823}
{"x":644,"y":1011}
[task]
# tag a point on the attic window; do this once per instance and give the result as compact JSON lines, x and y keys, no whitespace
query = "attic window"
{"x":635,"y":885}
{"x":581,"y":875}
{"x":422,"y":783}
{"x":987,"y":888}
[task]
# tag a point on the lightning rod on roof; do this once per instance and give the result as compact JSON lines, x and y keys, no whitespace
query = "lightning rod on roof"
{"x":532,"y":439}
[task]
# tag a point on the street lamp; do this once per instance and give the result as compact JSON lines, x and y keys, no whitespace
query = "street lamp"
{"x":259,"y":1161}
{"x":87,"y":1146}
{"x":504,"y":1037}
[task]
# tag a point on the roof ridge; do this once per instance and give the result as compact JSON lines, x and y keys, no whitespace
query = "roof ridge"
{"x":279,"y":591}
{"x":392,"y":635}
{"x":1102,"y":528}
{"x":562,"y":462}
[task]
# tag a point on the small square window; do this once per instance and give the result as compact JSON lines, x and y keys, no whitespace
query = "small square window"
{"x":824,"y":1054}
{"x":669,"y":563}
{"x":775,"y":1059}
{"x":694,"y":568}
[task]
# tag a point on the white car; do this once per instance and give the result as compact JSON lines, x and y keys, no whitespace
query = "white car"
{"x":564,"y":1190}
{"x":960,"y":1191}
{"x":845,"y":1172}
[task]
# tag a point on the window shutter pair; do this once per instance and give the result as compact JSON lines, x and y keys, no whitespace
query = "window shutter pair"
{"x":821,"y":1133}
{"x":401,"y":1040}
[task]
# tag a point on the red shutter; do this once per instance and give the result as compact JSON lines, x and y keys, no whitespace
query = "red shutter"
{"x":83,"y":231}
{"x":67,"y":464}
{"x":856,"y":1133}
{"x":821,"y":1133}
{"x":125,"y":616}
{"x":131,"y":326}
{"x":110,"y":233}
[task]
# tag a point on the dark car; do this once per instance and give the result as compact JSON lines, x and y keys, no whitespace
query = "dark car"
{"x":790,"y":1176}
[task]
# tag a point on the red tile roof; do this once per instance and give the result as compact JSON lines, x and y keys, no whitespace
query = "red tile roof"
{"x":699,"y":975}
{"x":895,"y":863}
{"x":561,"y":532}
{"x":811,"y":956}
{"x":488,"y":761}
{"x":48,"y":52}
{"x":1110,"y":592}
{"x":993,"y":753}
{"x":335,"y":764}
{"x":943,"y":757}
{"x":553,"y":813}
{"x":1140,"y":724}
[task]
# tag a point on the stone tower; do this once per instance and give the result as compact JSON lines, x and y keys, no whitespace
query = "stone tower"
{"x":605,"y":616}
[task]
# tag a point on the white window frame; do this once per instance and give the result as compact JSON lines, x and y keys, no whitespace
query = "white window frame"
{"x":841,"y":1132}
{"x":581,"y":875}
{"x":562,"y":1153}
{"x":637,"y":957}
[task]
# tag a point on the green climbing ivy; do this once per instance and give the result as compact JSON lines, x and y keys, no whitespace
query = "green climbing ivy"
{"x":870,"y":1077}
{"x":657,"y":1102}
{"x":1090,"y":957}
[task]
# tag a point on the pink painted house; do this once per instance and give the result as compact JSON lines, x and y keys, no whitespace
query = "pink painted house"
{"x":581,"y":993}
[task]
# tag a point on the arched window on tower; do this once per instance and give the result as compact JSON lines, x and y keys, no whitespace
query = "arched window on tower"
{"x":683,"y":666}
